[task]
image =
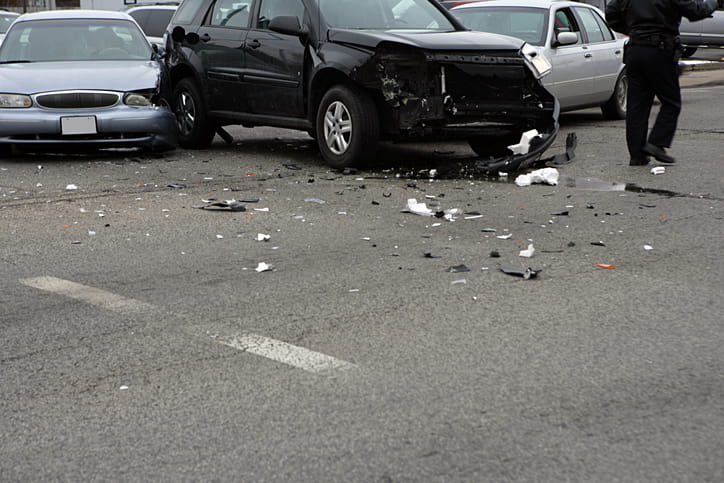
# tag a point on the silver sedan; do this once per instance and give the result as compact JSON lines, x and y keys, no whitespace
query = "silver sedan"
{"x":71,"y":80}
{"x":585,"y":54}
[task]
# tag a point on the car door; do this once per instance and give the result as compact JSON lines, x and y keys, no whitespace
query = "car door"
{"x":606,"y":53}
{"x":221,"y":52}
{"x":273,"y":77}
{"x":572,"y":74}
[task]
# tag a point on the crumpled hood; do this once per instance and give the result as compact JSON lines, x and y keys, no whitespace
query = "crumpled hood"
{"x":32,"y":78}
{"x":437,"y":41}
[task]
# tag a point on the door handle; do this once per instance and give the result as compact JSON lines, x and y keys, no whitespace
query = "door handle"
{"x":205,"y":38}
{"x":253,"y":44}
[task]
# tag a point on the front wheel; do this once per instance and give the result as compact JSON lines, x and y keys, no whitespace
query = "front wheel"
{"x":194,"y":129}
{"x":615,"y":108}
{"x":347,"y":127}
{"x":688,"y":52}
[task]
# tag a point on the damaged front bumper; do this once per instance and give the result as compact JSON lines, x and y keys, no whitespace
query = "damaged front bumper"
{"x":487,"y":98}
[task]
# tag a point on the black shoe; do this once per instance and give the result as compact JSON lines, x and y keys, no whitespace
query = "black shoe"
{"x":658,"y":153}
{"x":642,"y":161}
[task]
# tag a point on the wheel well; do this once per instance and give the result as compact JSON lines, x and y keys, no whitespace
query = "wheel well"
{"x":179,"y":72}
{"x":327,"y":78}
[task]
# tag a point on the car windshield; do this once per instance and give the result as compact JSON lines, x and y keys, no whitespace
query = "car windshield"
{"x":74,"y":39}
{"x":384,"y":15}
{"x":5,"y":21}
{"x":525,"y":23}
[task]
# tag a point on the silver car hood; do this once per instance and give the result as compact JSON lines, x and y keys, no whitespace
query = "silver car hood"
{"x":123,"y":76}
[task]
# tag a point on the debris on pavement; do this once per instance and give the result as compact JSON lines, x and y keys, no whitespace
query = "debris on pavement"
{"x":648,"y":247}
{"x":658,"y":170}
{"x":264,"y":267}
{"x":430,"y":255}
{"x":213,"y":203}
{"x":494,"y":254}
{"x":262,"y":237}
{"x":505,"y":237}
{"x":177,"y":186}
{"x":421,"y":209}
{"x":526,"y":273}
{"x":598,"y":244}
{"x":527,"y":253}
{"x":540,"y":176}
{"x":315,"y":200}
{"x":71,"y":187}
{"x":603,"y":265}
{"x":459,"y":282}
{"x":458,"y":269}
{"x":523,"y":145}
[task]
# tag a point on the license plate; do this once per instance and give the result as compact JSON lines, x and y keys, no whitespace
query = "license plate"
{"x":78,"y":125}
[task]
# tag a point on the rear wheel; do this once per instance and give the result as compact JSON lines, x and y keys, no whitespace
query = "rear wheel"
{"x":194,"y":129}
{"x":347,"y":127}
{"x":615,"y":108}
{"x":688,"y":51}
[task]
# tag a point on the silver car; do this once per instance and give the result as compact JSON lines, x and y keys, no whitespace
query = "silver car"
{"x":6,"y":18}
{"x":585,"y":54}
{"x":82,"y":79}
{"x":703,"y":33}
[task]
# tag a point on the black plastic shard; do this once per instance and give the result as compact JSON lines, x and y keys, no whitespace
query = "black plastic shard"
{"x":430,"y":255}
{"x":494,"y":254}
{"x":229,"y":205}
{"x":526,"y":273}
{"x":560,"y":213}
{"x":458,"y":269}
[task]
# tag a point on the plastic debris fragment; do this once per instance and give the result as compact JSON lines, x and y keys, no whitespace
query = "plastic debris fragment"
{"x":527,"y":253}
{"x":658,"y":170}
{"x":648,"y":247}
{"x":494,"y":254}
{"x":213,"y":203}
{"x":458,"y":269}
{"x":177,"y":186}
{"x":264,"y":267}
{"x":430,"y":255}
{"x":505,"y":237}
{"x":262,"y":237}
{"x":421,"y":209}
{"x":524,"y":144}
{"x":603,"y":265}
{"x":315,"y":200}
{"x":459,"y":282}
{"x":71,"y":187}
{"x":598,"y":244}
{"x":541,"y":176}
{"x":560,"y":213}
{"x":526,"y":273}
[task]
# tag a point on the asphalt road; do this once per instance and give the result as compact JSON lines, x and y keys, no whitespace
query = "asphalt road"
{"x":141,"y":344}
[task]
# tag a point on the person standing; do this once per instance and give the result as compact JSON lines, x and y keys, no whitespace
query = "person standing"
{"x":652,"y":57}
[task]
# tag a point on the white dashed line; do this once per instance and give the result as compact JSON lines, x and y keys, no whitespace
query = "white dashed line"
{"x":275,"y":350}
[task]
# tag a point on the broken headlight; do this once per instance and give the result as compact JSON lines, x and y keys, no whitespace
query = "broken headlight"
{"x":15,"y":101}
{"x":137,"y":99}
{"x":537,"y":62}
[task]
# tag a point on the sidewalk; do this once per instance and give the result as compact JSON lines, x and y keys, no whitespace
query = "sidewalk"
{"x":701,"y":73}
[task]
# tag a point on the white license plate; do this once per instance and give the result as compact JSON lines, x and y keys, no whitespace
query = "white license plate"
{"x":78,"y":125}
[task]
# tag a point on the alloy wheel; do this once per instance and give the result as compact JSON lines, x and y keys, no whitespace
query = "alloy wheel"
{"x":337,"y":128}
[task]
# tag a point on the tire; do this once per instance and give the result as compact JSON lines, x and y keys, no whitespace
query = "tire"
{"x":347,"y":127}
{"x":492,"y":146}
{"x":194,"y":129}
{"x":615,"y":107}
{"x":6,"y":151}
{"x":688,"y":52}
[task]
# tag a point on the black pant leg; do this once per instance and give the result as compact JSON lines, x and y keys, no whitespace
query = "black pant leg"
{"x":667,"y":90}
{"x":639,"y":99}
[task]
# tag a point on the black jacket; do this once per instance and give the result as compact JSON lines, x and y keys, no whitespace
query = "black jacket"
{"x":646,"y":18}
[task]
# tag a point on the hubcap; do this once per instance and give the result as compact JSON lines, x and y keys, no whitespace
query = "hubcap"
{"x":185,"y":113}
{"x":622,"y":92}
{"x":337,"y":128}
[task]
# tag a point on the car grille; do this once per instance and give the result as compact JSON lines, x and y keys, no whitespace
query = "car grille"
{"x":77,"y":100}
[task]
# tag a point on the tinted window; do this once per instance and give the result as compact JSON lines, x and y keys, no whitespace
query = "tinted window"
{"x":231,"y":13}
{"x":276,"y":8}
{"x":156,"y":22}
{"x":528,"y":24}
{"x":384,"y":14}
{"x":187,"y":11}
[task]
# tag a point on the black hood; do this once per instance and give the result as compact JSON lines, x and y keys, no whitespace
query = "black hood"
{"x":431,"y":41}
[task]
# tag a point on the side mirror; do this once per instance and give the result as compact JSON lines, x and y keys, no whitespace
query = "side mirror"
{"x":566,"y":38}
{"x":178,"y":34}
{"x":288,"y":25}
{"x":159,"y":51}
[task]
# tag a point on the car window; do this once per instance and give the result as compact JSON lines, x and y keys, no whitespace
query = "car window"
{"x":525,"y":23}
{"x":187,"y":11}
{"x":5,"y":21}
{"x":590,"y":25}
{"x":231,"y":13}
{"x":75,"y":40}
{"x":276,"y":8}
{"x":384,"y":14}
{"x":564,"y":21}
{"x":153,"y":22}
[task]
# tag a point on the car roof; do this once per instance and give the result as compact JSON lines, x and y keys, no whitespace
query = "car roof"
{"x":75,"y":14}
{"x":8,"y":13}
{"x":520,"y":3}
{"x":154,"y":6}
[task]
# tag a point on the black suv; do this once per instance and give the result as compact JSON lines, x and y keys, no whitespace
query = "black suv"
{"x":354,"y":72}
